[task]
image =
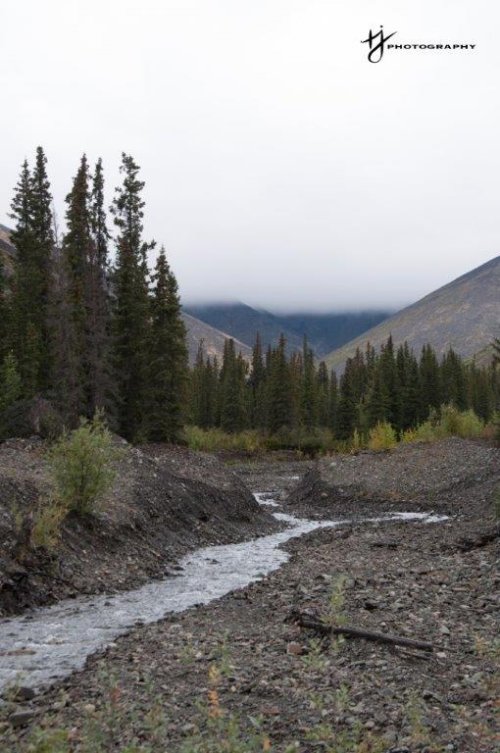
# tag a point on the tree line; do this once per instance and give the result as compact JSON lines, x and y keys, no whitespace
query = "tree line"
{"x":279,"y":393}
{"x":87,"y":333}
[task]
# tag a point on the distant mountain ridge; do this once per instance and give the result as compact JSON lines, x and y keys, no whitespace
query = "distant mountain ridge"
{"x":324,"y":331}
{"x":463,"y":315}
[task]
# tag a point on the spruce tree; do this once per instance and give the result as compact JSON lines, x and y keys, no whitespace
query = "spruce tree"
{"x":40,"y":282}
{"x":323,"y":394}
{"x":100,"y":376}
{"x":388,"y":380}
{"x":26,"y":288}
{"x":72,"y":346}
{"x":408,"y":388}
{"x":34,"y":241}
{"x":232,"y":386}
{"x":430,"y":394}
{"x":168,"y":357}
{"x":256,"y":384}
{"x":309,"y":396}
{"x":5,"y":319}
{"x":333,"y":402}
{"x":346,"y":408}
{"x":378,"y":404}
{"x":453,"y":387}
{"x":131,"y":308}
{"x":279,"y":398}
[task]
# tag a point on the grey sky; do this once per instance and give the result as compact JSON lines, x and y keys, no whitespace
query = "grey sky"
{"x":282,"y":168}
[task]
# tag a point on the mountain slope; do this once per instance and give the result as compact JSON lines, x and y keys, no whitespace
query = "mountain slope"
{"x":464,"y":315}
{"x":243,"y":322}
{"x":324,"y":331}
{"x":213,"y":339}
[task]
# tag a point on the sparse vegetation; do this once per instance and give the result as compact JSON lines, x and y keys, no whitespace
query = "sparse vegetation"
{"x":47,"y":524}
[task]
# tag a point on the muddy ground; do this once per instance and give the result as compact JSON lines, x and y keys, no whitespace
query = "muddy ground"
{"x":238,"y":676}
{"x":165,"y":502}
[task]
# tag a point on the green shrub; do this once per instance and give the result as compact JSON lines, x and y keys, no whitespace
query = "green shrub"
{"x":449,"y":423}
{"x":80,"y":464}
{"x":462,"y":424}
{"x":382,"y":437}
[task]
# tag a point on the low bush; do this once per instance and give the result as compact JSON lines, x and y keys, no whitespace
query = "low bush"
{"x":382,"y":437}
{"x":448,"y":423}
{"x":81,"y":466}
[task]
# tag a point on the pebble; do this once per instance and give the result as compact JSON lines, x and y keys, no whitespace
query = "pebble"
{"x":22,"y":717}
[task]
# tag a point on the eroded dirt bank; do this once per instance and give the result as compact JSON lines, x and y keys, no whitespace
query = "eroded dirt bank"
{"x":165,"y":502}
{"x":163,"y":686}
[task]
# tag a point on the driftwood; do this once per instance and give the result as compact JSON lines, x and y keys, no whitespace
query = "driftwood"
{"x":305,"y":620}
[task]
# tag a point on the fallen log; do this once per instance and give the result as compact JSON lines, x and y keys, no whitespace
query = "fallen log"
{"x":308,"y":621}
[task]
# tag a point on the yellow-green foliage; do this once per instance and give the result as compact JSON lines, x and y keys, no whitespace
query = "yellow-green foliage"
{"x":210,"y":440}
{"x":451,"y":422}
{"x":382,"y":437}
{"x":80,"y":465}
{"x":47,"y":524}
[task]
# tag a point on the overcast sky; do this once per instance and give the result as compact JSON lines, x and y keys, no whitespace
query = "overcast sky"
{"x":282,"y":168}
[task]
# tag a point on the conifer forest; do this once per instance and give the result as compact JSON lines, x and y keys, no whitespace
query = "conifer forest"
{"x":88,"y":326}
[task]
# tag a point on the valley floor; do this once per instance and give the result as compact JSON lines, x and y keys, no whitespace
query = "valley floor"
{"x":238,"y":669}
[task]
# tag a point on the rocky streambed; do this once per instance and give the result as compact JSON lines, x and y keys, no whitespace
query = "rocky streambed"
{"x":237,"y":668}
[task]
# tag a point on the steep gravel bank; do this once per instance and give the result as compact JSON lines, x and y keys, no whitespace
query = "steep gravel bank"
{"x":164,"y":503}
{"x":454,"y":476}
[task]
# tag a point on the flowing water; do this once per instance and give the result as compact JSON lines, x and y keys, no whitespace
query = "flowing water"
{"x":50,"y":643}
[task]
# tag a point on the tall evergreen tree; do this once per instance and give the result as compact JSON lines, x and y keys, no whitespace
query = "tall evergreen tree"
{"x":131,"y":303}
{"x":323,"y":394}
{"x":256,"y":383}
{"x":5,"y":319}
{"x":232,"y":385}
{"x":41,"y":273}
{"x":309,"y":396}
{"x":346,"y":408}
{"x":72,"y":346}
{"x":430,"y":394}
{"x":101,"y":393}
{"x":279,"y":398}
{"x":168,"y":357}
{"x":26,"y":287}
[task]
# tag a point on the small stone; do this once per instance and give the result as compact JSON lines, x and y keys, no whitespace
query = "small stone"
{"x":25,"y":693}
{"x":22,"y":717}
